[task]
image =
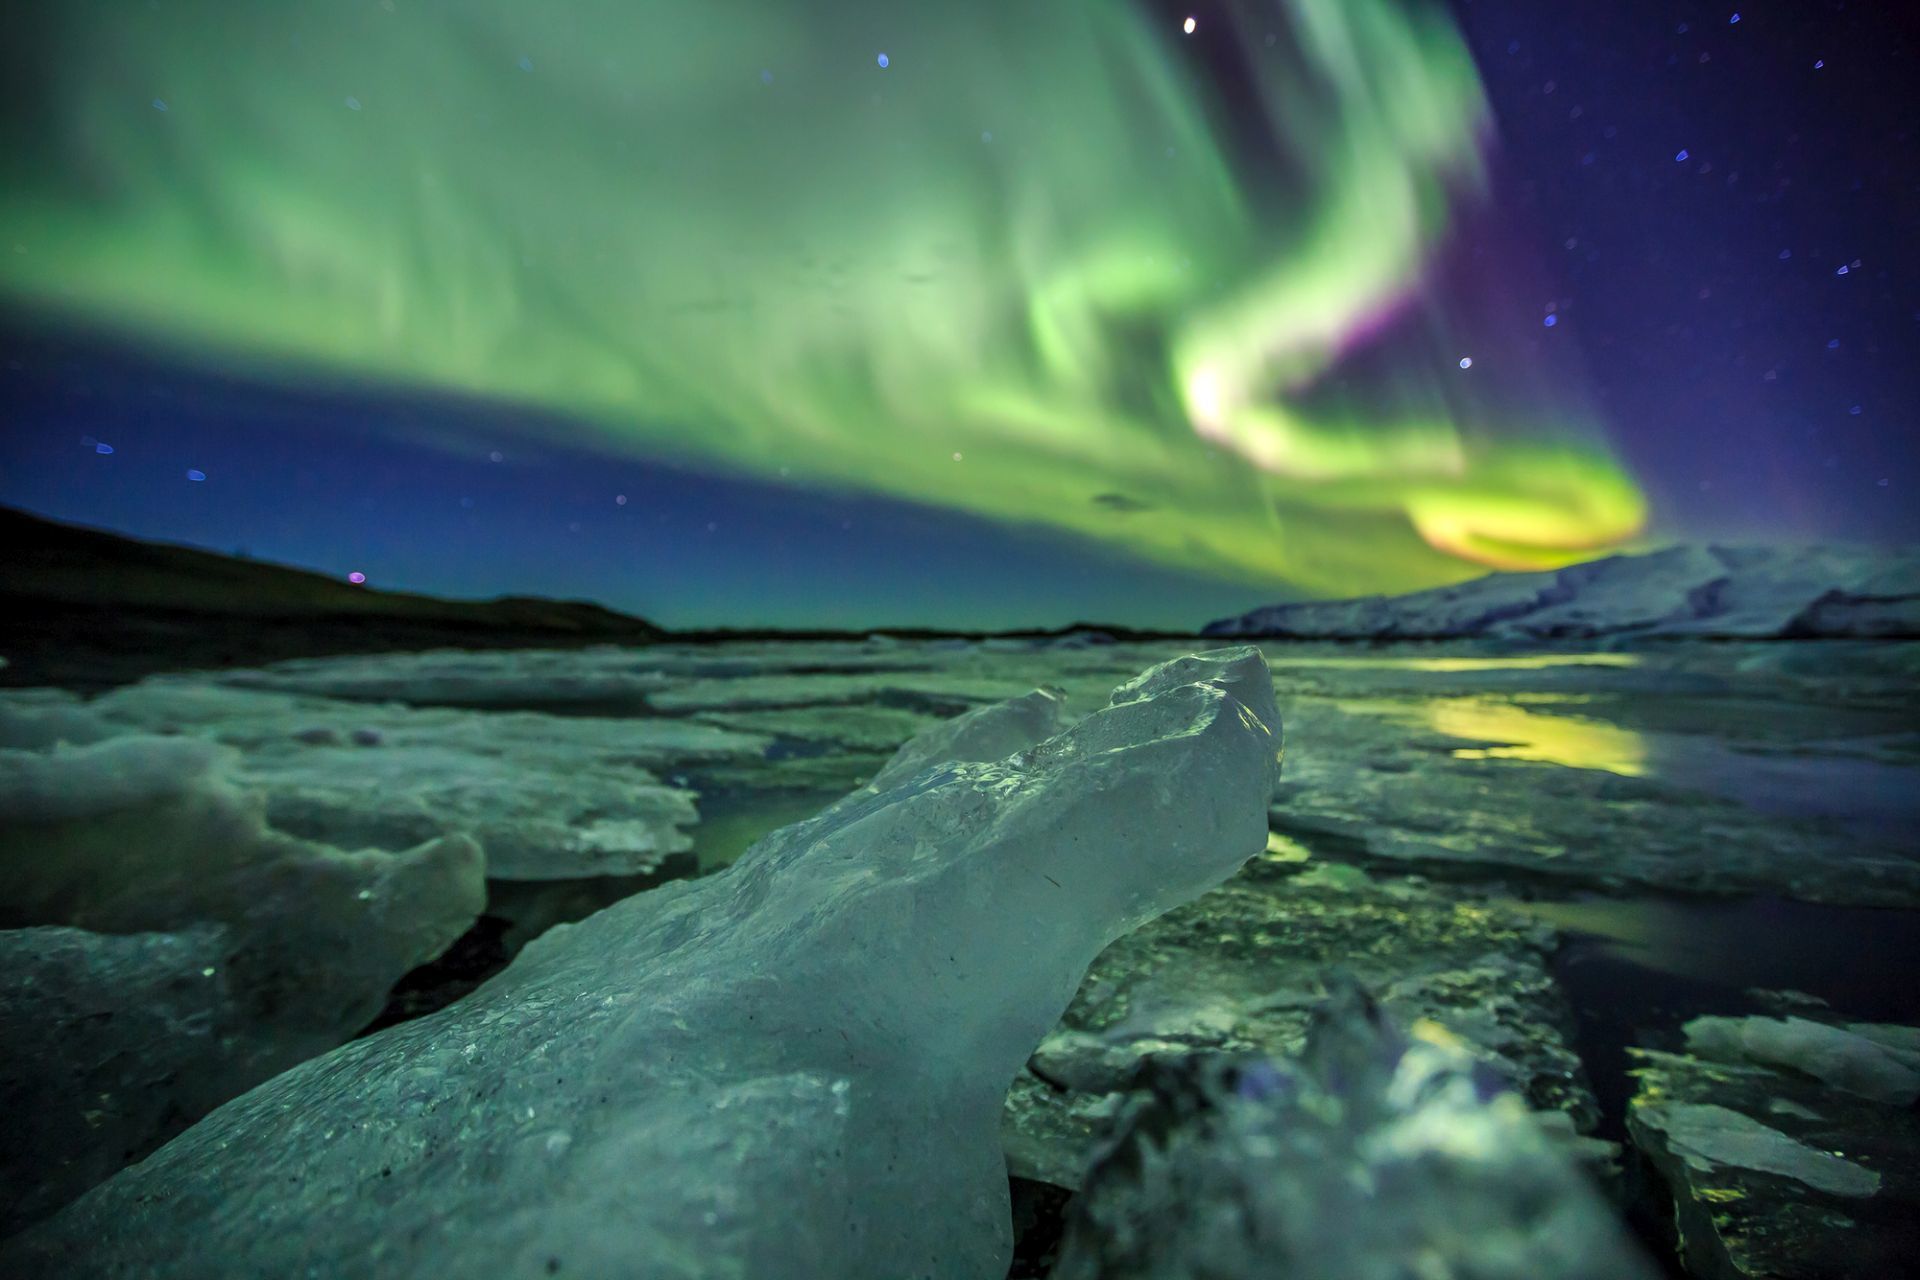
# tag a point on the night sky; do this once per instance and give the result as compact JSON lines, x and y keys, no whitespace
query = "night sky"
{"x":1050,"y":318}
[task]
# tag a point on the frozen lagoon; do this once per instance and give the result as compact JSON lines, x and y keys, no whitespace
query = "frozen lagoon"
{"x":1717,"y":768}
{"x":1439,"y":810}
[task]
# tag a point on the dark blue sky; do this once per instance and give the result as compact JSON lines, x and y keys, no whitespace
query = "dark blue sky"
{"x":406,"y":489}
{"x":1719,"y":216}
{"x":1750,"y":314}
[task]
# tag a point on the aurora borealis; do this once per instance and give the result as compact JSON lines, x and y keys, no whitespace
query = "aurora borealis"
{"x":1042,"y":267}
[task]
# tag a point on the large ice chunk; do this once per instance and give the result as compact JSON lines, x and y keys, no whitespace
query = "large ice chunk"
{"x":793,"y":1068}
{"x":989,"y":733}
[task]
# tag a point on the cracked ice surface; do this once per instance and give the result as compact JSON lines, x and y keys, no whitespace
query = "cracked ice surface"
{"x":596,"y":678}
{"x":1240,"y":971}
{"x":816,"y":1042}
{"x":1716,"y":769}
{"x":546,"y":797}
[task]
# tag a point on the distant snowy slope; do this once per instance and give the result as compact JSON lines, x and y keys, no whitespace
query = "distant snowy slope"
{"x":1697,"y":590}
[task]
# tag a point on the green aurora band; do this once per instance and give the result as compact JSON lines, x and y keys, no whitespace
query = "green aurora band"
{"x":1022,"y":270}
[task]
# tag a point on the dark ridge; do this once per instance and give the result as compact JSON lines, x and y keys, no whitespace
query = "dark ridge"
{"x":87,"y":610}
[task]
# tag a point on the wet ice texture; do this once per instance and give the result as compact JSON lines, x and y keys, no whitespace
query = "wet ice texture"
{"x":1790,"y":1146}
{"x":792,"y":1068}
{"x":1241,"y":970}
{"x":1375,"y":1157}
{"x":1749,"y":592}
{"x":163,"y":949}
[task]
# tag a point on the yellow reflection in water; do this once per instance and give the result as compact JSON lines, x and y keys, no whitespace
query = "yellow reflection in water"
{"x":1573,"y":741}
{"x":1285,"y":849}
{"x":1509,"y":662}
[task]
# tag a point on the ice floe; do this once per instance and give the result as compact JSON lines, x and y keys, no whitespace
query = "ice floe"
{"x":815,"y":1043}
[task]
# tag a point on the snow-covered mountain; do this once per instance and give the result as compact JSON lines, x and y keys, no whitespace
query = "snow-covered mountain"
{"x":1689,"y":590}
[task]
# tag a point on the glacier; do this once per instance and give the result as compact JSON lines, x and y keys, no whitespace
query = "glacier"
{"x":1688,"y":590}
